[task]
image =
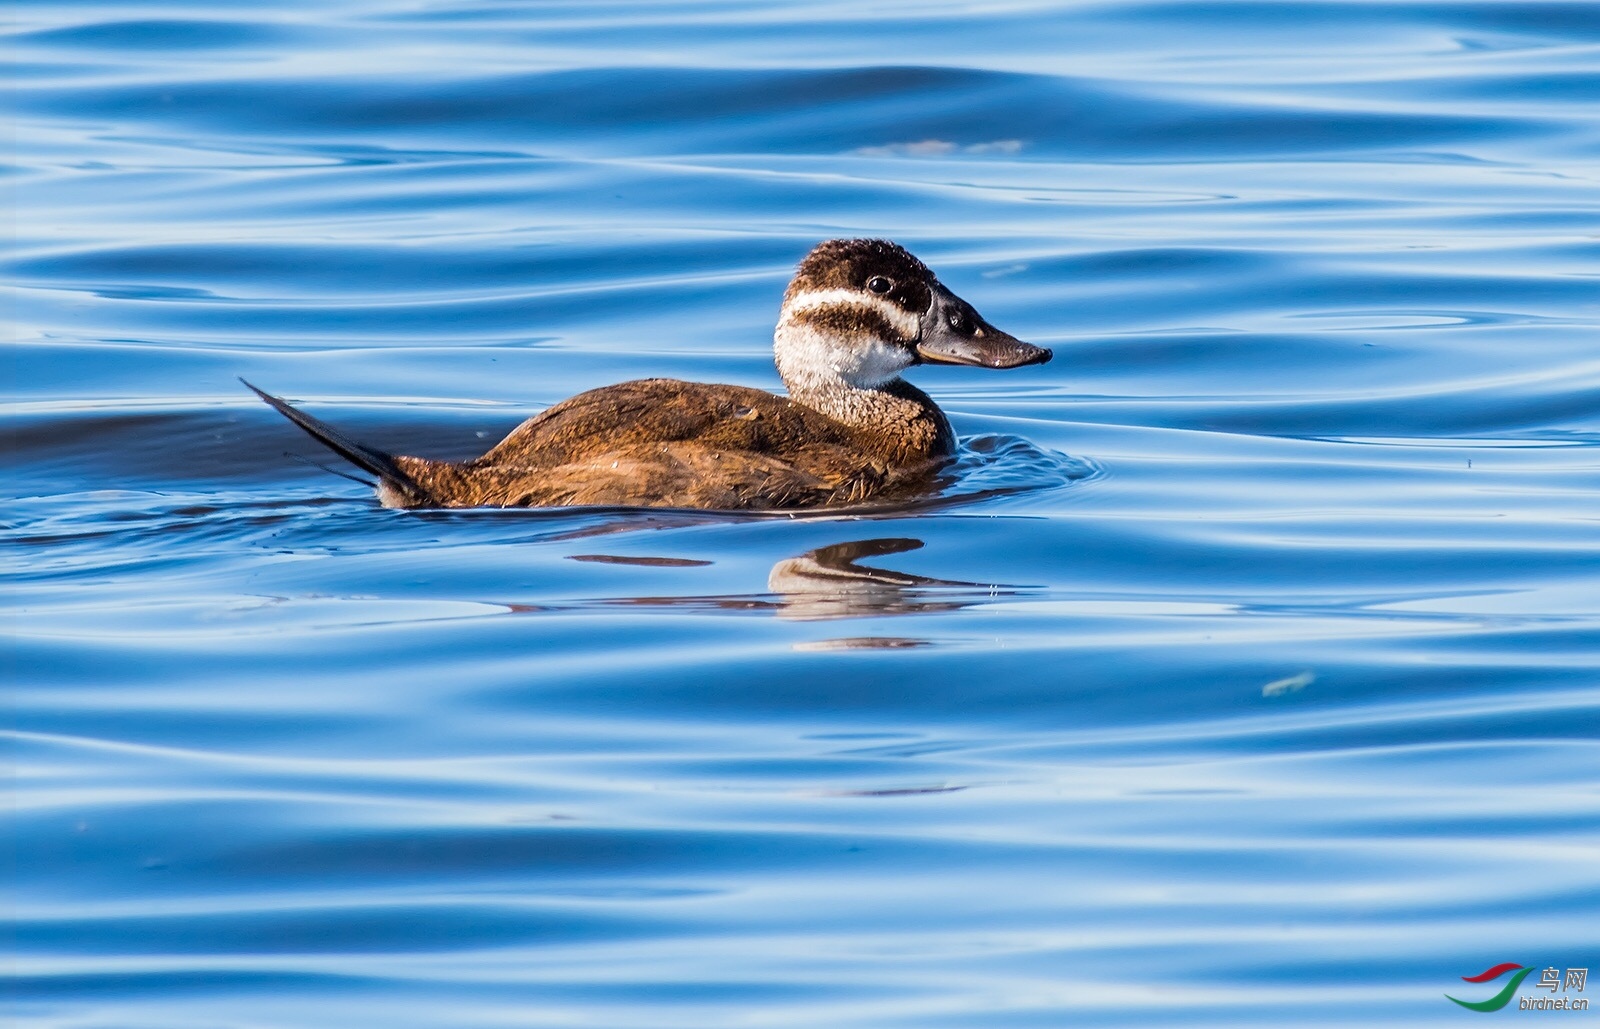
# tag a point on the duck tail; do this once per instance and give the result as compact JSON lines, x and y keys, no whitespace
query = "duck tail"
{"x":362,"y":456}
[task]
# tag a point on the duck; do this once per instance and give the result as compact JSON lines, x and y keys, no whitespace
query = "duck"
{"x":851,"y":430}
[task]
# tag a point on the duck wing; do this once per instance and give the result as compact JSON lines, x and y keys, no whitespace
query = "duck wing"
{"x":645,"y":411}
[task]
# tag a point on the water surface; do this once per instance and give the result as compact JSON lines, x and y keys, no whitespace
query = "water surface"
{"x":1245,"y":673}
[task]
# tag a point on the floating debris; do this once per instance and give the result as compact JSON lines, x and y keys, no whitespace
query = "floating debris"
{"x":1293,"y":684}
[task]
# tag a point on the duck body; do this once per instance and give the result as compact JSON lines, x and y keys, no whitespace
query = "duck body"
{"x":851,"y":430}
{"x":671,"y":443}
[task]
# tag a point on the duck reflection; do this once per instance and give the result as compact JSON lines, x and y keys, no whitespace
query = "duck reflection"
{"x":830,"y":582}
{"x":833,"y":582}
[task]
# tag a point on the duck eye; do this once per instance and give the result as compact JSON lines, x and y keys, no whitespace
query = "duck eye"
{"x":879,"y":284}
{"x":957,"y":320}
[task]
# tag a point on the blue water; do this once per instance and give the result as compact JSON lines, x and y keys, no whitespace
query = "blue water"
{"x":1244,"y":673}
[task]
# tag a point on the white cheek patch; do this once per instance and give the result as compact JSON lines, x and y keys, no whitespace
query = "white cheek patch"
{"x":875,"y":365}
{"x":816,"y":360}
{"x":904,"y":321}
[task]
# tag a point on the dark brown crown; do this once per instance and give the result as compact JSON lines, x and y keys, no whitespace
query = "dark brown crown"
{"x":852,"y":263}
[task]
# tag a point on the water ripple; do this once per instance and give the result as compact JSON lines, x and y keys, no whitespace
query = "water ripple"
{"x":1241,"y":673}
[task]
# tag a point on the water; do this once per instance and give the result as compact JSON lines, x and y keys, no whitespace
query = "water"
{"x":1244,"y":673}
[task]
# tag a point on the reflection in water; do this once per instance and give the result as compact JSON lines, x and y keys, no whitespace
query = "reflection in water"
{"x":642,"y":562}
{"x":899,"y":791}
{"x":862,"y":643}
{"x":828,"y":582}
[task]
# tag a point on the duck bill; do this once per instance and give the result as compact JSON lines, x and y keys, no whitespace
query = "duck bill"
{"x":954,"y":333}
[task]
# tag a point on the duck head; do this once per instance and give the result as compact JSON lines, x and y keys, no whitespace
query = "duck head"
{"x":861,"y":311}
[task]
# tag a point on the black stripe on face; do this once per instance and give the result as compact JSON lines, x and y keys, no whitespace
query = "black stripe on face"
{"x":850,"y":320}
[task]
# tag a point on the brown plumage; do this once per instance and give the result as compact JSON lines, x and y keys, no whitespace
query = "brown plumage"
{"x":851,"y":430}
